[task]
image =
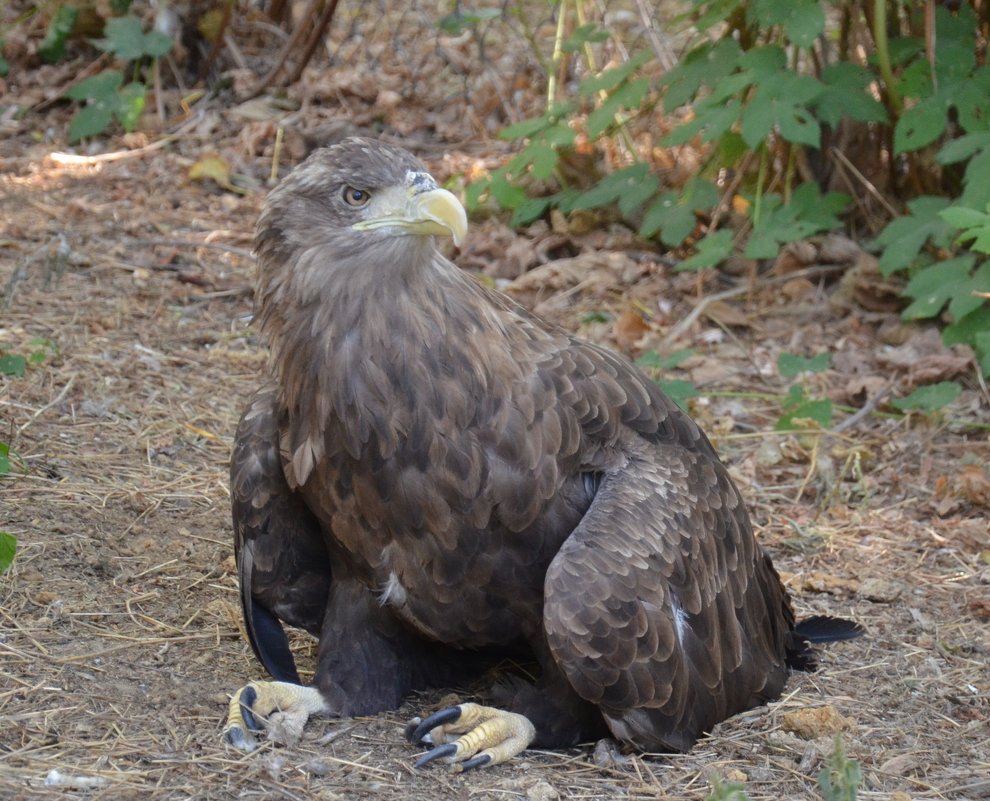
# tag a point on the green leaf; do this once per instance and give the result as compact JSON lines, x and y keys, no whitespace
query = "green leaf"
{"x":158,"y":44}
{"x":612,"y":77}
{"x":962,"y":217}
{"x":585,"y":34}
{"x":8,"y":547}
{"x":629,"y":96}
{"x":904,"y":237}
{"x":846,"y":94}
{"x":638,"y":193}
{"x":52,"y":47}
{"x":459,"y":21}
{"x":780,"y":100}
{"x":529,"y":210}
{"x":964,"y":147}
{"x":920,"y":126}
{"x":968,"y":329}
{"x":934,"y":286}
{"x":668,"y":216}
{"x":90,"y":121}
{"x":713,"y":121}
{"x":525,"y":129}
{"x":789,"y":365}
{"x":544,"y":160}
{"x":130,"y":104}
{"x":4,"y":458}
{"x":99,"y":87}
{"x":651,"y":360}
{"x":704,"y":66}
{"x":612,"y":187}
{"x":715,"y":248}
{"x":125,"y":38}
{"x":507,"y":195}
{"x":797,"y":406}
{"x":929,"y":398}
{"x":679,"y":391}
{"x":803,"y":21}
{"x":12,"y":364}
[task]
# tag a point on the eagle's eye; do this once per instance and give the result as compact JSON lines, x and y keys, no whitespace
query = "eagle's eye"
{"x":356,"y":197}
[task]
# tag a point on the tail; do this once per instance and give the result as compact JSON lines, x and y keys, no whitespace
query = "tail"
{"x":814,"y":630}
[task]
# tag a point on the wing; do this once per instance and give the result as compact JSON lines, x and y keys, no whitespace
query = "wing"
{"x":282,"y":560}
{"x":661,"y":608}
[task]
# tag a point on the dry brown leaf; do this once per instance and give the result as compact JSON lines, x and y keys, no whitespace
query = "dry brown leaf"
{"x":726,"y":314}
{"x":824,"y":582}
{"x":629,"y":328}
{"x":810,"y":723}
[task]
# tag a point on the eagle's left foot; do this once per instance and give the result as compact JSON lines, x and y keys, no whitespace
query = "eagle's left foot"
{"x":279,"y":707}
{"x":471,"y":736}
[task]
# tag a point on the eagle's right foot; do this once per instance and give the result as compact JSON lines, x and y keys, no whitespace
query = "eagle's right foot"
{"x":279,"y":707}
{"x":471,"y":736}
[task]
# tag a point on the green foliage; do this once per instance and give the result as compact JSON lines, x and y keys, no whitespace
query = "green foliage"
{"x":808,"y":213}
{"x":928,"y":399}
{"x":678,"y":390}
{"x":125,"y":38}
{"x":4,"y":458}
{"x":797,"y":405}
{"x":8,"y":546}
{"x":105,"y":97}
{"x":730,"y":791}
{"x":840,"y":779}
{"x":461,"y":20}
{"x":52,"y":47}
{"x":789,"y":365}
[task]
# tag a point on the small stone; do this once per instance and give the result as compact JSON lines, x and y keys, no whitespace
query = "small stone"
{"x":881,"y":591}
{"x":542,"y":791}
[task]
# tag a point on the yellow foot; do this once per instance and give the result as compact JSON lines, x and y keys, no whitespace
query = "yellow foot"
{"x":278,"y":707}
{"x":471,"y":736}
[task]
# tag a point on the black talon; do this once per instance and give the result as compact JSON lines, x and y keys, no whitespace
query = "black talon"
{"x":410,"y":729}
{"x":477,"y":761}
{"x":248,"y":696}
{"x":448,"y":749}
{"x":448,"y":715}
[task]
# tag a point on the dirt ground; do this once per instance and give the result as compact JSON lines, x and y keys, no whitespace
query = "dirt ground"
{"x":120,"y":638}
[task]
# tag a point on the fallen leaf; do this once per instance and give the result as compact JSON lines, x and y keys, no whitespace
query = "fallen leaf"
{"x":629,"y":328}
{"x":811,"y":723}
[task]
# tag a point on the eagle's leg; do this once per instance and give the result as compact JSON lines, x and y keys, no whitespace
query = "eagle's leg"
{"x":261,"y":705}
{"x":471,"y":736}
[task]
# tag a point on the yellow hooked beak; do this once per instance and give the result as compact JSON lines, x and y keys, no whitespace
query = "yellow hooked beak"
{"x":419,"y":207}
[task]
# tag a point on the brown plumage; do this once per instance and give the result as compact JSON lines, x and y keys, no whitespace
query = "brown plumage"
{"x":435,"y":478}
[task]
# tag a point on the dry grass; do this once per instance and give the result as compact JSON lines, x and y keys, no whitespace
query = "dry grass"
{"x":120,"y":637}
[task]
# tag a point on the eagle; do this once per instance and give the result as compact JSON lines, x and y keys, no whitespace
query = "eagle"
{"x":434,"y":480}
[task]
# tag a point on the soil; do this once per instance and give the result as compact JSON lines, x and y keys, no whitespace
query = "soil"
{"x":120,"y":631}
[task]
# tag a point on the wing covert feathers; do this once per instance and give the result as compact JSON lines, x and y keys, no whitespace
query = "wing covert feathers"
{"x":661,"y":608}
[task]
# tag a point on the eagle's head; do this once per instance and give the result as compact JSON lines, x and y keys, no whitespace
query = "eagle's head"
{"x":356,"y":198}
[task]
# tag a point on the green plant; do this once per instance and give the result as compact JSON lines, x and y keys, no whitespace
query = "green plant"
{"x":8,"y":543}
{"x":730,"y":791}
{"x":105,"y":97}
{"x":678,"y":390}
{"x":8,"y":547}
{"x":840,"y":779}
{"x":770,"y":86}
{"x":797,"y":404}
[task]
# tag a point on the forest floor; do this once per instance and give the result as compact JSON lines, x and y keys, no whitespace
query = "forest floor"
{"x":120,"y":631}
